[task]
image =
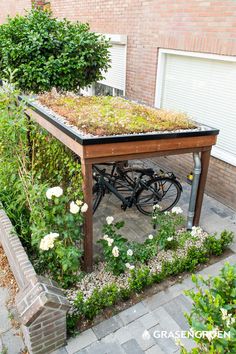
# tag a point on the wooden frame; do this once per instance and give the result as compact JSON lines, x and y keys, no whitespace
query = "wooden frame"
{"x":118,"y":148}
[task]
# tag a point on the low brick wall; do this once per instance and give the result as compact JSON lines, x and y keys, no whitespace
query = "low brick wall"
{"x":41,"y":305}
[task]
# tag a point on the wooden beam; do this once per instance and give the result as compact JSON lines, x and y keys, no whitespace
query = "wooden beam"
{"x":147,"y":146}
{"x":87,"y":186}
{"x":205,"y":159}
{"x":145,"y":155}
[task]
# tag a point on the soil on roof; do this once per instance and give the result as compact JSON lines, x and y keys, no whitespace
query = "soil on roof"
{"x":105,"y":115}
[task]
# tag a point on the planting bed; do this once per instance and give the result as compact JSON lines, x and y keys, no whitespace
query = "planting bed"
{"x":102,"y":116}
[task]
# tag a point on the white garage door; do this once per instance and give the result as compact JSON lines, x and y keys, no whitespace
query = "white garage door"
{"x":205,"y":88}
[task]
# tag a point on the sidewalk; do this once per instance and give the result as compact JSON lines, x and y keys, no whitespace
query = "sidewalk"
{"x":11,"y":341}
{"x":131,"y":331}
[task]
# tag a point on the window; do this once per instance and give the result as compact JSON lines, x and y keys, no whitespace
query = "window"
{"x":105,"y":90}
{"x":202,"y":85}
{"x":113,"y":83}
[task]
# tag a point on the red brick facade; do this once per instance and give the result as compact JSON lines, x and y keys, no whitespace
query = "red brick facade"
{"x":193,"y":25}
{"x":13,"y":7}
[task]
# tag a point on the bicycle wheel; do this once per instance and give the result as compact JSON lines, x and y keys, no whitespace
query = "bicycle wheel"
{"x":97,"y":196}
{"x":161,"y":190}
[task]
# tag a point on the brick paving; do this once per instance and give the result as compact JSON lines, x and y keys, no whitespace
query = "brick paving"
{"x":132,"y":330}
{"x":11,"y":341}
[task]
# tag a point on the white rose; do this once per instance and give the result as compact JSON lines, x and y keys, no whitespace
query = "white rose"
{"x":115,"y":251}
{"x":196,"y":231}
{"x":150,"y":237}
{"x":105,"y":237}
{"x":177,"y":210}
{"x":156,"y":206}
{"x":84,"y":208}
{"x":169,"y":239}
{"x":54,"y":192}
{"x":79,"y":202}
{"x":110,"y":241}
{"x":48,"y":241}
{"x":131,"y":267}
{"x":74,"y":208}
{"x":109,"y":220}
{"x":127,"y":265}
{"x":130,"y":252}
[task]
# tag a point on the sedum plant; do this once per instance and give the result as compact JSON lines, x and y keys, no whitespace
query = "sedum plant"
{"x":48,"y":52}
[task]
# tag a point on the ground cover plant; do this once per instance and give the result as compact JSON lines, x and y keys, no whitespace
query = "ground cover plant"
{"x":47,"y":52}
{"x":130,"y":267}
{"x":214,"y":310}
{"x":99,"y":115}
{"x":40,"y":190}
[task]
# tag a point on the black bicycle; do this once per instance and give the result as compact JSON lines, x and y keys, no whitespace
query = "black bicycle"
{"x":135,"y":186}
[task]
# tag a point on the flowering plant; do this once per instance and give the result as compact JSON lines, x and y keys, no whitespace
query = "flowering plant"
{"x":214,"y":311}
{"x":167,"y":224}
{"x":121,"y":254}
{"x":117,"y":250}
{"x":57,"y":233}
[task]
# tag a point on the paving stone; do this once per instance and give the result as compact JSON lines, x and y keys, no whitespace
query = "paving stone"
{"x":157,"y":300}
{"x":154,"y":350}
{"x":148,"y":320}
{"x":122,"y":335}
{"x":5,"y":323}
{"x":81,"y":341}
{"x":13,"y":342}
{"x":106,"y":327}
{"x":168,"y":323}
{"x":133,"y":313}
{"x":176,"y":309}
{"x":131,"y":347}
{"x":214,"y":269}
{"x":167,"y":345}
{"x":83,"y":351}
{"x":105,"y":348}
{"x":61,"y":351}
{"x":140,"y":334}
{"x":233,"y":247}
{"x":4,"y":295}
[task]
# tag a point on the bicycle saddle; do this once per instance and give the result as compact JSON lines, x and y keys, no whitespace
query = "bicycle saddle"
{"x":145,"y":171}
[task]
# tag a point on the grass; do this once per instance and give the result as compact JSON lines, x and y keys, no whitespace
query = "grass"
{"x":104,"y":115}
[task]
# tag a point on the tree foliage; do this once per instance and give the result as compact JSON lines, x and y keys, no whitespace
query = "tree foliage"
{"x":48,"y":52}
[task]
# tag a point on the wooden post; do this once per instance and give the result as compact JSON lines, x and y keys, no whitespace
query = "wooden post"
{"x":88,"y":216}
{"x":205,"y":158}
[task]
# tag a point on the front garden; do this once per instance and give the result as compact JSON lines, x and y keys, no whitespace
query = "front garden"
{"x":41,"y":180}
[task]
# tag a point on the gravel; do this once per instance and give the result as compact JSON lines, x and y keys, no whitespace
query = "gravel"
{"x":100,"y":277}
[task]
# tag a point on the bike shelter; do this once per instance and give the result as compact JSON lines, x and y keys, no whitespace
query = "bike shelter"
{"x":94,"y":150}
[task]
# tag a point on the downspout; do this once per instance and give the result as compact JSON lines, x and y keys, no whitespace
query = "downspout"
{"x":194,"y":189}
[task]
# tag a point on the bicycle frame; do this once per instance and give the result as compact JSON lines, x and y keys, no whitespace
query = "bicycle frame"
{"x":135,"y":185}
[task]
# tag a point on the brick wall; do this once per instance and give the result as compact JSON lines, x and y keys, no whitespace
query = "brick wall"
{"x":13,"y":7}
{"x":195,"y":25}
{"x":41,"y":305}
{"x":221,"y":179}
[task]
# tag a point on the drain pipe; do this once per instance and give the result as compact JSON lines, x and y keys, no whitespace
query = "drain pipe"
{"x":194,"y":189}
